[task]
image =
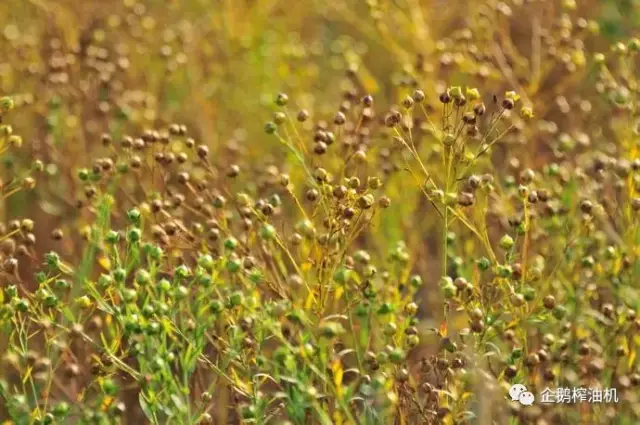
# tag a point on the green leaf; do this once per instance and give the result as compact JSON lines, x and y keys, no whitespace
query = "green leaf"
{"x":145,"y":407}
{"x":322,"y":415}
{"x":178,"y":403}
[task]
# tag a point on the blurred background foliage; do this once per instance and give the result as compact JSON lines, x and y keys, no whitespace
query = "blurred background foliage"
{"x":78,"y":69}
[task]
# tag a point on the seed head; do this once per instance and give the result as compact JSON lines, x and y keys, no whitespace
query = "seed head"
{"x":506,"y":242}
{"x":282,"y":99}
{"x":6,"y":104}
{"x":508,"y":104}
{"x":233,"y":171}
{"x":365,"y":202}
{"x":303,"y":115}
{"x":479,"y":109}
{"x":418,"y":96}
{"x":384,"y":202}
{"x":202,"y":151}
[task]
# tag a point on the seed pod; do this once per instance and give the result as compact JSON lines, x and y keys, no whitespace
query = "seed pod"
{"x":320,"y":148}
{"x":469,"y":118}
{"x":282,"y":99}
{"x":365,"y":202}
{"x":202,"y":151}
{"x":508,"y":104}
{"x":56,"y":234}
{"x":384,"y":202}
{"x":303,"y":115}
{"x":549,"y":302}
{"x":418,"y":96}
{"x":479,"y":109}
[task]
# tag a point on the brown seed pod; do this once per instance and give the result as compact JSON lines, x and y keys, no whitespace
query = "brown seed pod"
{"x":57,"y":234}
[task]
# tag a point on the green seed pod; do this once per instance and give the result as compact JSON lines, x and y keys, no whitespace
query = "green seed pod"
{"x":155,"y":252}
{"x":449,"y":291}
{"x":134,"y":216}
{"x":342,"y":275}
{"x":134,"y":235}
{"x":390,"y":329}
{"x":22,"y":305}
{"x":164,"y":285}
{"x":119,"y":275}
{"x":506,"y":242}
{"x":236,"y":299}
{"x":415,"y":281}
{"x":362,"y":310}
{"x":216,"y":307}
{"x":62,"y":284}
{"x":455,"y":92}
{"x":529,"y":293}
{"x":61,"y":409}
{"x":331,"y":329}
{"x":109,"y":387}
{"x":206,"y":262}
{"x":11,"y":291}
{"x":268,"y":232}
{"x":256,"y":276}
{"x":6,"y":104}
{"x":83,"y":302}
{"x":231,"y":243}
{"x":182,"y":271}
{"x":472,"y":94}
{"x":270,"y":127}
{"x":559,"y":312}
{"x":181,"y":292}
{"x":449,"y":139}
{"x":233,"y":265}
{"x":129,"y":294}
{"x":143,"y":277}
{"x":385,"y":309}
{"x":396,"y":355}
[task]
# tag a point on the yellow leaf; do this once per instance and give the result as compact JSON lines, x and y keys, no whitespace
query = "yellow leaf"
{"x":105,"y":263}
{"x":27,"y":375}
{"x":336,"y":368}
{"x":245,"y":386}
{"x":337,"y":418}
{"x":108,"y":400}
{"x":632,"y":358}
{"x":309,"y":302}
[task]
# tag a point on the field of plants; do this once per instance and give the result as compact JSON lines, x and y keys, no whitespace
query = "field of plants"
{"x":319,"y":212}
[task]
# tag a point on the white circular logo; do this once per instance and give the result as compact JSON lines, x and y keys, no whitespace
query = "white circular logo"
{"x":519,"y":393}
